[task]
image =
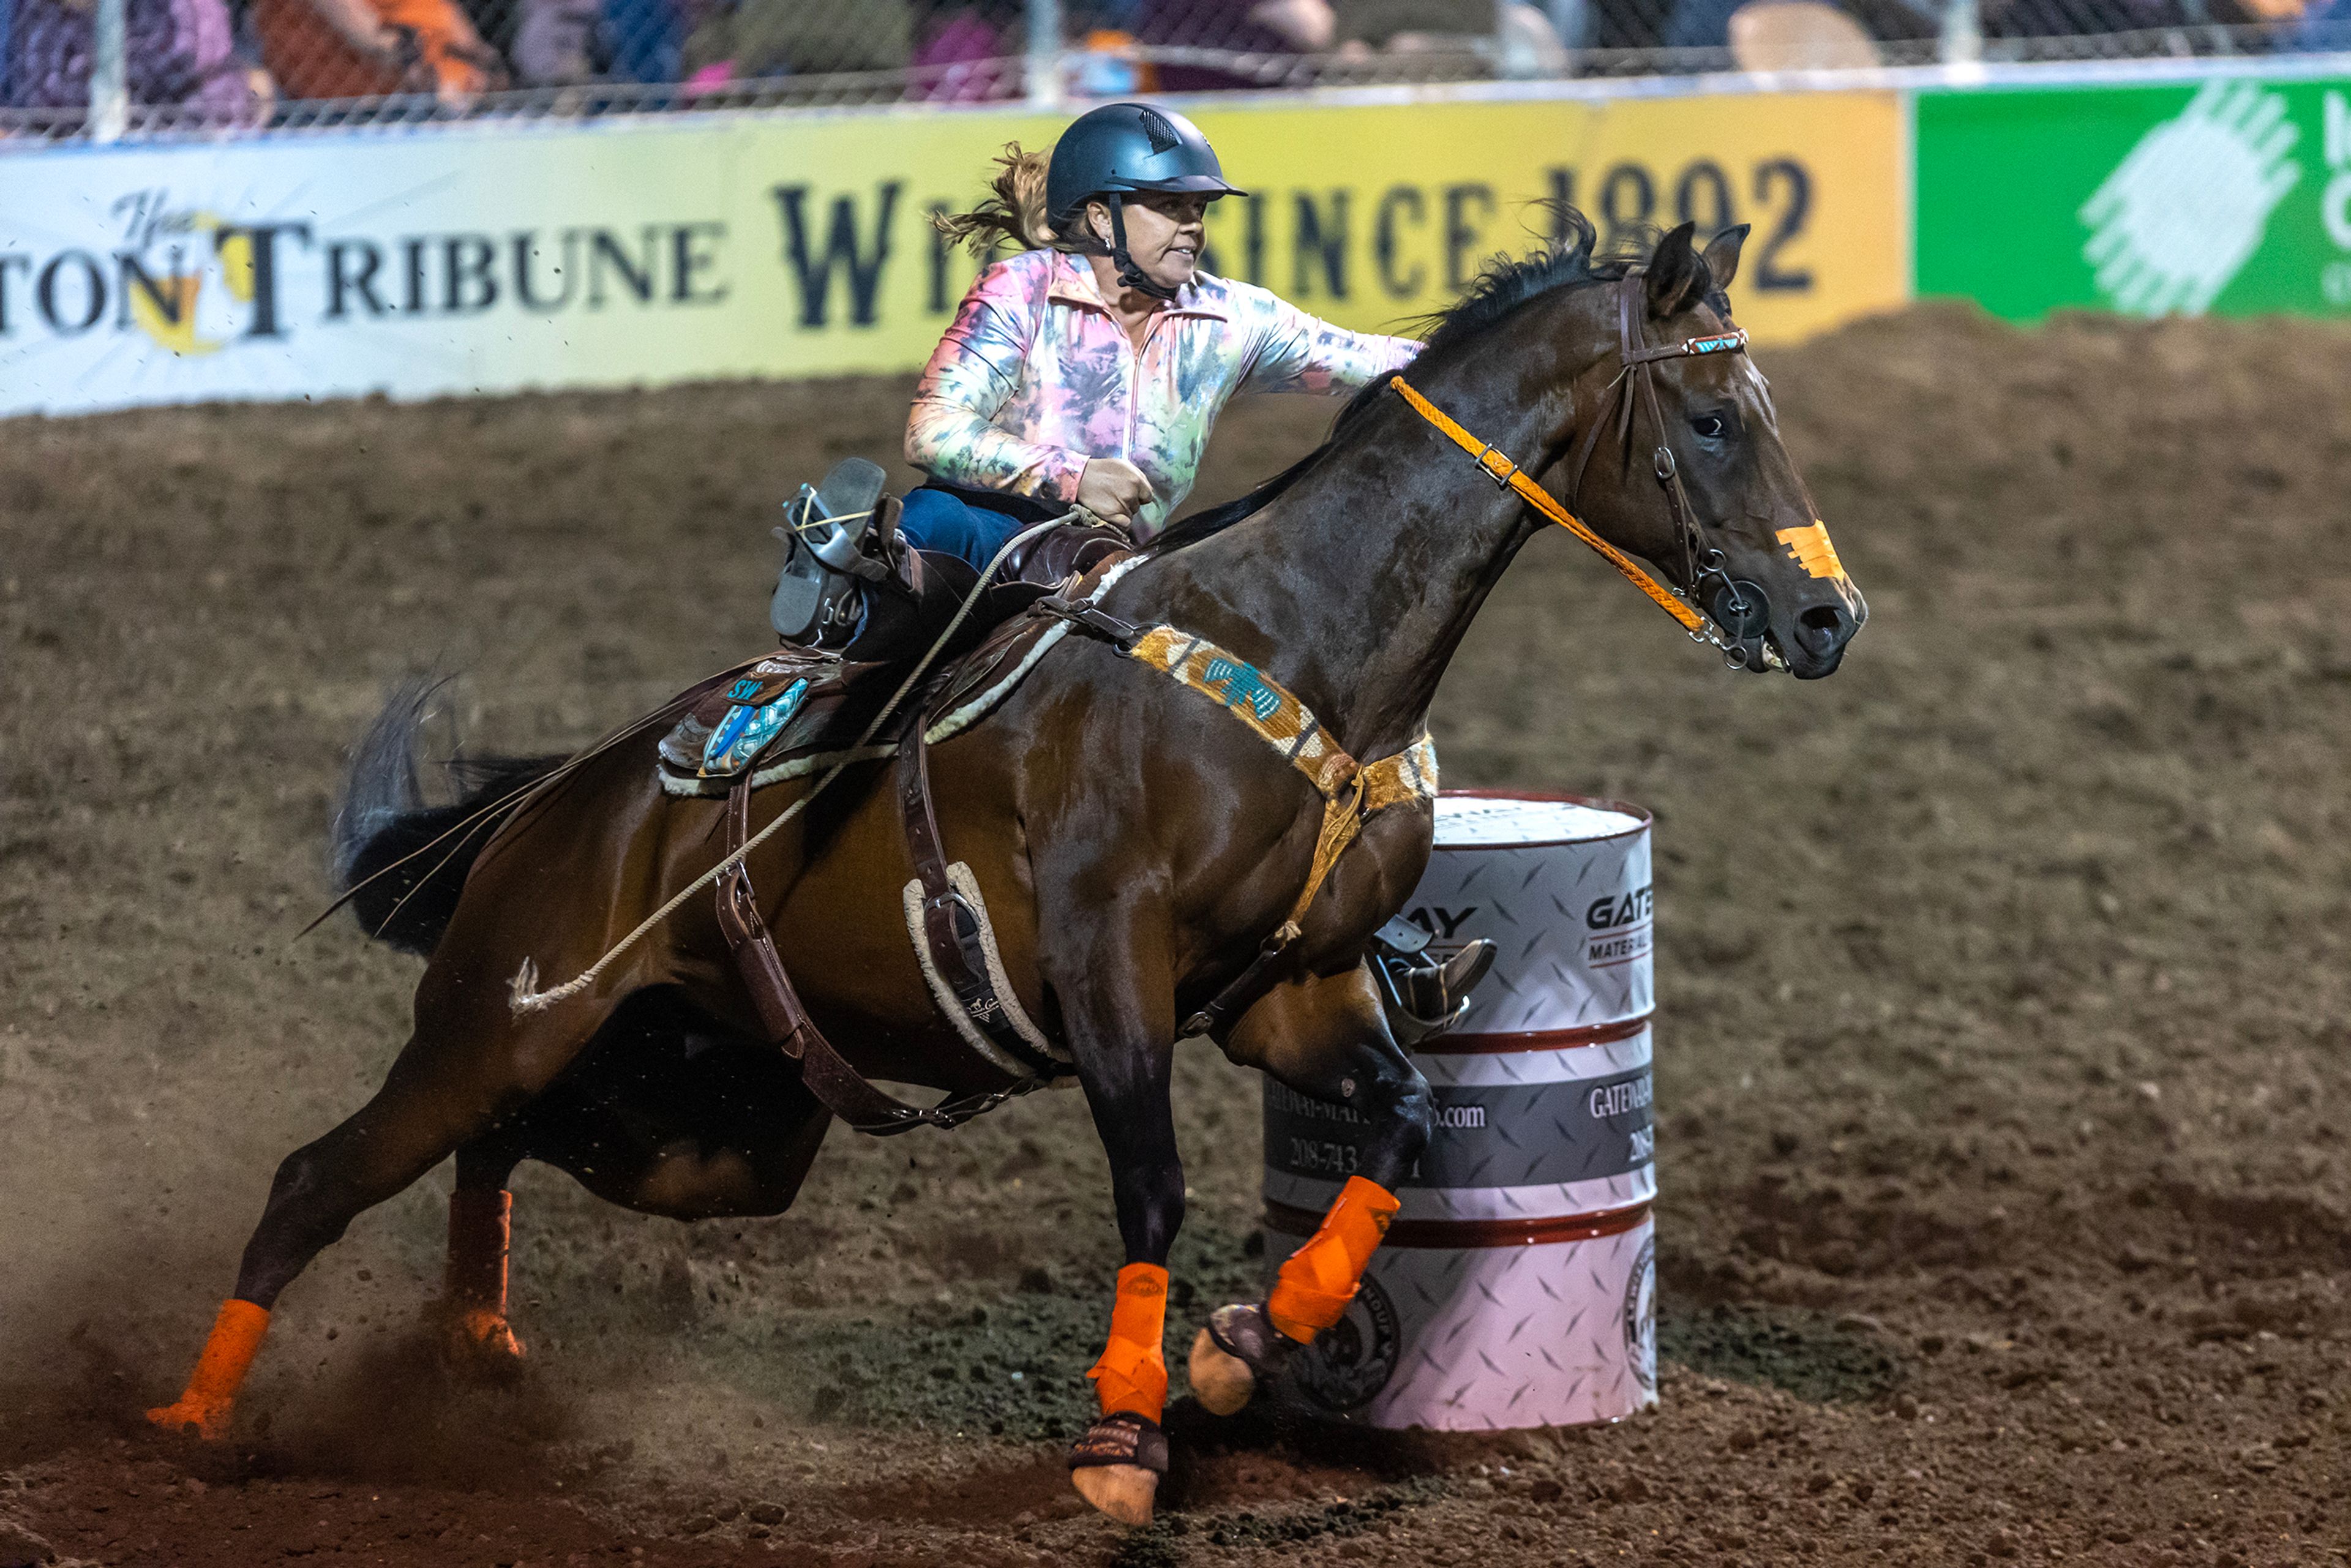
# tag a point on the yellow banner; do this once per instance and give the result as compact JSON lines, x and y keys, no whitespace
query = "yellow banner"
{"x":1373,"y":216}
{"x":486,"y":259}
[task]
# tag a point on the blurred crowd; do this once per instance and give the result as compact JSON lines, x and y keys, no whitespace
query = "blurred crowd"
{"x":234,"y":60}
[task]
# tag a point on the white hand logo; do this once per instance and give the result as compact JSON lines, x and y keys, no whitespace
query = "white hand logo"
{"x":2185,"y":211}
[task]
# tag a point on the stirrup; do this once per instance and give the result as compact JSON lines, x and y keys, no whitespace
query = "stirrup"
{"x":820,"y":598}
{"x":1423,"y":1000}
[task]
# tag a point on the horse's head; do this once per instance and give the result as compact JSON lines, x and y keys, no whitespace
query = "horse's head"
{"x":1682,"y":464}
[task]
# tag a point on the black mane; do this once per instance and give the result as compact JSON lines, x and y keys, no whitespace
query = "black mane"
{"x":1573,"y":258}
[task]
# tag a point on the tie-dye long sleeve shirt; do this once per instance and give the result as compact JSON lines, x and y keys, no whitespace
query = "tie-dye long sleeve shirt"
{"x":1036,"y":376}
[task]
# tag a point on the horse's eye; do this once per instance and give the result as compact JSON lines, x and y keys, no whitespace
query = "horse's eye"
{"x":1710,"y":426}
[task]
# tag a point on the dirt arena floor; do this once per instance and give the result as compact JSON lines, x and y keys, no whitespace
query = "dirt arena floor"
{"x":2003,"y":1063}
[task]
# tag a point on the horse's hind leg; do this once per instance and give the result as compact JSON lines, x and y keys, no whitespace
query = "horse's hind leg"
{"x":473,"y":1292}
{"x":665,"y":1112}
{"x":445,"y":1089}
{"x":1327,"y":1039}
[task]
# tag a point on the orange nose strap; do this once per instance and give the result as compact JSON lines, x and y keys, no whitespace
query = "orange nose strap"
{"x":1315,"y":1285}
{"x":1131,"y":1375}
{"x":220,"y":1371}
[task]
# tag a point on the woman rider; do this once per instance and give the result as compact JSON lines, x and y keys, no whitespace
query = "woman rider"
{"x":1087,"y":370}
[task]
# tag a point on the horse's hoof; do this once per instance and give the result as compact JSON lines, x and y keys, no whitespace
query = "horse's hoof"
{"x":1221,"y":1381}
{"x":1239,"y":1351}
{"x":1122,"y":1491}
{"x":1116,"y":1466}
{"x":206,"y":1418}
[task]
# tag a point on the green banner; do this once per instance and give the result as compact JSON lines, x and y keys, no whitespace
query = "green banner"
{"x":2232,"y":197}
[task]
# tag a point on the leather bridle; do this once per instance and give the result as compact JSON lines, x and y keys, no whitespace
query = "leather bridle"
{"x":1712,"y":606}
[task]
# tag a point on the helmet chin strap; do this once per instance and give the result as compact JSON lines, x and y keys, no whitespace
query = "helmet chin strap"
{"x":1130,"y":275}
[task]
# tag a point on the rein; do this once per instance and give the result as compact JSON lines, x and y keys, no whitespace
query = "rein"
{"x":1701,"y":563}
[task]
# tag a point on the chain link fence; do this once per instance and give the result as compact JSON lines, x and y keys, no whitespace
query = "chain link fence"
{"x":108,"y":69}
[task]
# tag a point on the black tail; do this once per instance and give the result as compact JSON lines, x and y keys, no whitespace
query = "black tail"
{"x":383,"y":822}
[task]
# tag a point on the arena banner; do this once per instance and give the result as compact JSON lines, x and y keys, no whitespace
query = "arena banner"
{"x":651,"y":251}
{"x":2232,"y":197}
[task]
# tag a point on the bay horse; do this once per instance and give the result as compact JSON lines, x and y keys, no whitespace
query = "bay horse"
{"x":1138,"y":847}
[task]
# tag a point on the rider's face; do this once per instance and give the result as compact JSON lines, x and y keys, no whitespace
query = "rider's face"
{"x":1164,"y":233}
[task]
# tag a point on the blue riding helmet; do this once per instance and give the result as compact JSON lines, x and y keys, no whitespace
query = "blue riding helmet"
{"x":1125,"y":147}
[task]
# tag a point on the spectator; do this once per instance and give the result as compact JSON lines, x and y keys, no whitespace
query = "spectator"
{"x":362,"y":48}
{"x":177,"y":53}
{"x":759,"y":39}
{"x":1410,"y":23}
{"x":969,"y":54}
{"x":1699,"y":25}
{"x":2062,"y":18}
{"x":644,"y":40}
{"x":2323,"y":25}
{"x":1245,"y":26}
{"x":554,"y":41}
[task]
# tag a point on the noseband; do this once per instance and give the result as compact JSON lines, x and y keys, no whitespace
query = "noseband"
{"x":1724,"y":612}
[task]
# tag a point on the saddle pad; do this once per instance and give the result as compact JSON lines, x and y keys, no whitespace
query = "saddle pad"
{"x":990,"y":673}
{"x":748,"y":728}
{"x":822,"y":722}
{"x":794,"y":701}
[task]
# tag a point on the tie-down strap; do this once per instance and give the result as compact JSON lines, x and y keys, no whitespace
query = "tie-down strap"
{"x":1350,"y":791}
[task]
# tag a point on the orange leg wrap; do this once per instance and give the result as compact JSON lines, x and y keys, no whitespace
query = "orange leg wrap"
{"x":1132,"y":1375}
{"x":220,"y":1371}
{"x":480,"y":1224}
{"x":1315,"y":1285}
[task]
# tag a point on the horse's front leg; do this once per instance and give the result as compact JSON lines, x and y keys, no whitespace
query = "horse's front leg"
{"x":1111,"y":977}
{"x":1327,"y":1037}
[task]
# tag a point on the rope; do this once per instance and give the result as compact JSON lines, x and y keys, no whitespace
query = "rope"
{"x":524,"y":995}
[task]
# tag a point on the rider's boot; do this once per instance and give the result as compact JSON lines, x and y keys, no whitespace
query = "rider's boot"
{"x":1425,"y":999}
{"x":829,"y":557}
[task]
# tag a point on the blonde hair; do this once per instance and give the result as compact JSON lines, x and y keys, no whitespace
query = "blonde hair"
{"x":1014,"y":215}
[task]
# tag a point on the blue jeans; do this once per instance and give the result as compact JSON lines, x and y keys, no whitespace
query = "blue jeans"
{"x":935,"y":520}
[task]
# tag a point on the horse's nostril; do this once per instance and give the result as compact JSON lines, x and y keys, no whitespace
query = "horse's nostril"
{"x":1822,"y":626}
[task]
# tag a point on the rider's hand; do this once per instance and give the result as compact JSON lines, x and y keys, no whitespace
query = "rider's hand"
{"x":1112,"y":490}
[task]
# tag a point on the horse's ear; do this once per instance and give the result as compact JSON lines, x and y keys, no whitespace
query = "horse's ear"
{"x":1722,"y":255}
{"x":1675,"y":279}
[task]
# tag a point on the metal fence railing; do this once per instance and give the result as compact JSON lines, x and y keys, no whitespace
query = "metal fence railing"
{"x":108,"y":68}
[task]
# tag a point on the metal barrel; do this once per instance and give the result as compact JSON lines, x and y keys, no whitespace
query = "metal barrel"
{"x":1517,"y":1285}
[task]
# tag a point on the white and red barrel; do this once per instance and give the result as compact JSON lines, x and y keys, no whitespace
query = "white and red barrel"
{"x":1517,"y":1286}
